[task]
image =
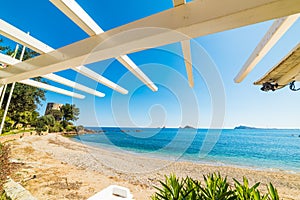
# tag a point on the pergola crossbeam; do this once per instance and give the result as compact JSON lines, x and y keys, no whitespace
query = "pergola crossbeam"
{"x":78,"y":15}
{"x":95,"y":76}
{"x":51,"y":88}
{"x":53,"y":77}
{"x":194,"y":19}
{"x":10,"y":31}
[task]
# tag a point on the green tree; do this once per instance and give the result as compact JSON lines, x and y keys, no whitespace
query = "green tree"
{"x":44,"y":123}
{"x":69,"y":112}
{"x":25,"y":118}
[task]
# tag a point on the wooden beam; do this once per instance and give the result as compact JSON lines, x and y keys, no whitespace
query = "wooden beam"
{"x":74,"y":11}
{"x":19,"y":36}
{"x":186,"y":50}
{"x":276,"y":31}
{"x":78,"y":15}
{"x":10,"y":31}
{"x":95,"y":76}
{"x":73,"y":84}
{"x":194,"y":19}
{"x":53,"y":77}
{"x":51,"y":88}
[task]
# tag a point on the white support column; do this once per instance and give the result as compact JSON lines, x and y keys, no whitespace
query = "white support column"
{"x":276,"y":31}
{"x":3,"y":95}
{"x":1,"y":89}
{"x":186,"y":50}
{"x":6,"y":108}
{"x":78,"y":15}
{"x":11,"y":89}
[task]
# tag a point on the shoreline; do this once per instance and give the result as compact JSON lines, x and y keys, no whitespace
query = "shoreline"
{"x":99,"y":168}
{"x":181,"y":158}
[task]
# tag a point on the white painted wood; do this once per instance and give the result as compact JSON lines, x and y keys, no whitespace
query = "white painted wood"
{"x":51,"y":88}
{"x":131,"y":66}
{"x":186,"y":50}
{"x":11,"y":89}
{"x":95,"y":76}
{"x":3,"y":95}
{"x":42,"y":48}
{"x":276,"y":31}
{"x":78,"y":15}
{"x":19,"y":36}
{"x":195,"y":19}
{"x":53,"y":77}
{"x":7,"y":106}
{"x":74,"y":11}
{"x":73,"y":84}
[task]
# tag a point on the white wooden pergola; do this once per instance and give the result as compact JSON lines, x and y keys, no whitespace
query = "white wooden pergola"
{"x":178,"y":24}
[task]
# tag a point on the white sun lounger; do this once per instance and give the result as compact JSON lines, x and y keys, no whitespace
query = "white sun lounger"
{"x":113,"y":192}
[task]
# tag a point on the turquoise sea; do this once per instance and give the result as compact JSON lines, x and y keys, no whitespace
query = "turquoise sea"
{"x":272,"y":149}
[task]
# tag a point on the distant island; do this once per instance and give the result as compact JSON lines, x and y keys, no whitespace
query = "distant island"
{"x":187,"y":126}
{"x":244,"y":127}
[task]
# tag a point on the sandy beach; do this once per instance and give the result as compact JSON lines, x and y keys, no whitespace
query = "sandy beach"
{"x":55,"y":167}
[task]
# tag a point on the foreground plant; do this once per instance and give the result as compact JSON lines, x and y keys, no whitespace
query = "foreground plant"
{"x":215,"y":187}
{"x":244,"y":192}
{"x":172,"y":188}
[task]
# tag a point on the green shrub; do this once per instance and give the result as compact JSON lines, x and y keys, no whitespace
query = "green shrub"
{"x":3,"y":196}
{"x":173,"y":188}
{"x":215,"y":187}
{"x":244,"y":192}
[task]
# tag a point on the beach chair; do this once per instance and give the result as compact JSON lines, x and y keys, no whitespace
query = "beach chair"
{"x":113,"y":192}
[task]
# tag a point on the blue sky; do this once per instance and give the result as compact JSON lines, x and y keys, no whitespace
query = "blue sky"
{"x":175,"y":104}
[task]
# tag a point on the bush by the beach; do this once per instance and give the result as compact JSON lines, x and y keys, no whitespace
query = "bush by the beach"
{"x":5,"y":166}
{"x":214,"y":187}
{"x":3,"y":196}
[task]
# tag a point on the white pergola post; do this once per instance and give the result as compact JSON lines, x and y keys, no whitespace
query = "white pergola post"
{"x":7,"y":105}
{"x":186,"y":50}
{"x":5,"y":86}
{"x":2,"y":95}
{"x":11,"y":89}
{"x":78,"y":15}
